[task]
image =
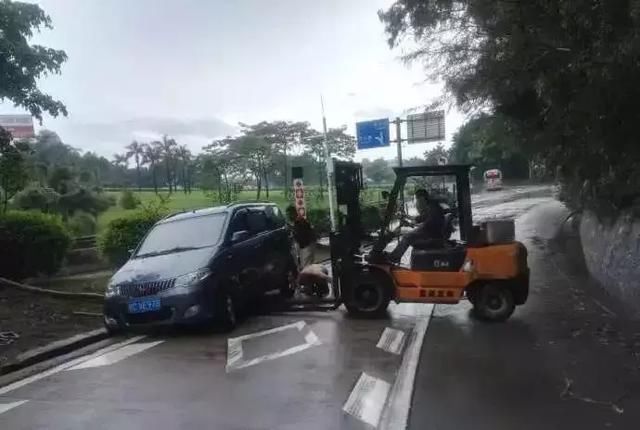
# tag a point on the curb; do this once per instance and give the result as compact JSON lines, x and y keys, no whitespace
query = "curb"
{"x":53,"y":349}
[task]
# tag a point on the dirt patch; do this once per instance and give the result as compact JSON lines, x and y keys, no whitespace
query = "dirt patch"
{"x":39,"y":320}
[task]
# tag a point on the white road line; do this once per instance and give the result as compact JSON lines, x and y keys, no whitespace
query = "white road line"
{"x":64,"y":366}
{"x":4,"y":407}
{"x":367,"y":399}
{"x":391,"y":340}
{"x":116,"y":356}
{"x":299,"y":325}
{"x":235,"y":358}
{"x":396,"y":413}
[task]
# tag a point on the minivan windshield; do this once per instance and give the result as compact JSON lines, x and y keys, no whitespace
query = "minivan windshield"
{"x":183,"y":235}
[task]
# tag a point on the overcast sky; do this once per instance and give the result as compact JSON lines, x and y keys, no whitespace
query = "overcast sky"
{"x":195,"y":68}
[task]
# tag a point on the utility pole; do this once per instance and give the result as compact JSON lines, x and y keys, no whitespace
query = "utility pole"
{"x":329,"y":167}
{"x":398,"y":123}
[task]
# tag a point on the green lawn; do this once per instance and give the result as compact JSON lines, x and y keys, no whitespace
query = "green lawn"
{"x":179,"y":201}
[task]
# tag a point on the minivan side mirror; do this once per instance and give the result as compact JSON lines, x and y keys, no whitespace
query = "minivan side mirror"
{"x":240,"y":236}
{"x":131,"y":251}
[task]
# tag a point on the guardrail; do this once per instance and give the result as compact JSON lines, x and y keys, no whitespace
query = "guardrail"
{"x":84,"y":242}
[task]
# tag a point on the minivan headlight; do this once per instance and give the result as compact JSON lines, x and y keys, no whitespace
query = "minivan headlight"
{"x":112,"y":290}
{"x":191,"y":279}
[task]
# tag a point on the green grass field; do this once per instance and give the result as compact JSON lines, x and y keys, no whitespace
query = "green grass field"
{"x":178,"y":201}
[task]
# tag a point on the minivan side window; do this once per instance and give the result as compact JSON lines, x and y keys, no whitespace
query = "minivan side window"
{"x":257,"y":221}
{"x":275,"y":217}
{"x":239,"y":222}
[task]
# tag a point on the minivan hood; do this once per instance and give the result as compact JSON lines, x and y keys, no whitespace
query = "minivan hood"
{"x":164,"y":266}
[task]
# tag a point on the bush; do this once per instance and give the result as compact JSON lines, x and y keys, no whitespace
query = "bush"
{"x":31,"y":243}
{"x":320,"y":220}
{"x":128,"y":200}
{"x":36,"y":197}
{"x":82,"y":224}
{"x":125,"y":233}
{"x":85,"y":200}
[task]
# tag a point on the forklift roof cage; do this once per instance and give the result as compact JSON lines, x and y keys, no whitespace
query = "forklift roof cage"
{"x":460,"y":171}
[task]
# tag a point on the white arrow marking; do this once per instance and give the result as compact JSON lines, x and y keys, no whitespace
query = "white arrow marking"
{"x":117,"y":355}
{"x":235,"y":360}
{"x":4,"y":407}
{"x":391,"y":340}
{"x":367,"y":399}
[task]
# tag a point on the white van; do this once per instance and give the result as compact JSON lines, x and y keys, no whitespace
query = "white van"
{"x":493,"y":180}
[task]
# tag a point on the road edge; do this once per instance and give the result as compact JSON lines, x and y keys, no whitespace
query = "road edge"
{"x":52,"y":350}
{"x":396,"y":413}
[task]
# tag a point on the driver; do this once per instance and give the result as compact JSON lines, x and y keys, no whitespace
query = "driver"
{"x":429,"y":224}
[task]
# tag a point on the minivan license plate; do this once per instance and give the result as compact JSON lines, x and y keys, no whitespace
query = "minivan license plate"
{"x":144,"y":305}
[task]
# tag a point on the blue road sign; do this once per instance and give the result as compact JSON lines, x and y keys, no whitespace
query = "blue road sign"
{"x":373,"y":134}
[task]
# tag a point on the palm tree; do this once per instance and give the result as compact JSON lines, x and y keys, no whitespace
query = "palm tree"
{"x":152,"y":155}
{"x":168,"y":148}
{"x":120,"y":160}
{"x":136,"y":150}
{"x":185,"y":158}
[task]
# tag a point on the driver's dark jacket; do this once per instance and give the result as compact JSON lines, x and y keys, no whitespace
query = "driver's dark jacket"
{"x":431,"y":220}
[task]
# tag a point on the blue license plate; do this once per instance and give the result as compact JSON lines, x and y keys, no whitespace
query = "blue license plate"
{"x":139,"y":306}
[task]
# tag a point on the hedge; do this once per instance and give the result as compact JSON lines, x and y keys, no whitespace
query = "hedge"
{"x":123,"y":234}
{"x":82,"y":224}
{"x":31,"y":243}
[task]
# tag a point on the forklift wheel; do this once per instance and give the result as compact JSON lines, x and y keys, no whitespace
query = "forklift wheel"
{"x":371,"y":295}
{"x":494,"y":302}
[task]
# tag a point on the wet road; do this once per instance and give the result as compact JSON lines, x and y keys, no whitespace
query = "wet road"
{"x":569,"y":358}
{"x":564,"y":360}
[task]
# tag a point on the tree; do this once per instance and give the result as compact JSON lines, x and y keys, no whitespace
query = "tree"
{"x":184,"y":155}
{"x":135,"y":150}
{"x":378,"y":170}
{"x":436,"y":156}
{"x":217,"y":167}
{"x":152,"y":156}
{"x":13,"y":171}
{"x":339,"y":143}
{"x":282,"y":136}
{"x":21,"y":64}
{"x":489,"y":142}
{"x":60,"y":179}
{"x":168,"y":146}
{"x":253,"y":154}
{"x":559,"y":71}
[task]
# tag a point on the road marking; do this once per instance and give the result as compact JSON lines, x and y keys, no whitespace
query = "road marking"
{"x":4,"y":407}
{"x":64,"y":366}
{"x":391,"y":340}
{"x":235,"y":359}
{"x":367,"y":399}
{"x":115,"y":356}
{"x":396,"y":413}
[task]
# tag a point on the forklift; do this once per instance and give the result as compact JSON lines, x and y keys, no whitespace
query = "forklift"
{"x":485,"y":265}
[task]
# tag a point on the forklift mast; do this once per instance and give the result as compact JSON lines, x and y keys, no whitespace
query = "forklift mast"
{"x":346,"y":240}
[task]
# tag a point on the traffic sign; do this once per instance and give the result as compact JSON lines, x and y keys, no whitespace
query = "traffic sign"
{"x":373,"y":134}
{"x":425,"y":127}
{"x":298,"y":189}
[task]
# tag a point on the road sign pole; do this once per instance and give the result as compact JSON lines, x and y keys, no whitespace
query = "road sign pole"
{"x":398,"y":123}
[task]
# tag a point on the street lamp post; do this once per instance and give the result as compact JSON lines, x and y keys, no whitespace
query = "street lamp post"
{"x":329,"y":167}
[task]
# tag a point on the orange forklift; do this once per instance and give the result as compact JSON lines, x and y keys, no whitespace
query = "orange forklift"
{"x":485,"y":264}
